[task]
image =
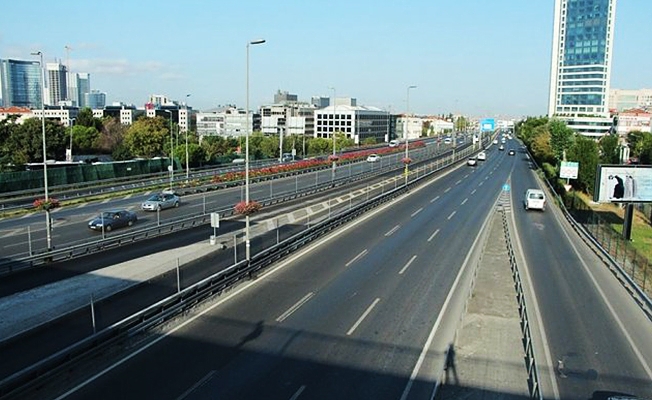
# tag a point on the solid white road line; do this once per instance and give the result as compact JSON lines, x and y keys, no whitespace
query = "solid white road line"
{"x":356,"y":258}
{"x":197,"y":385}
{"x":362,"y":317}
{"x":296,"y":394}
{"x":416,"y":212}
{"x":433,"y":235}
{"x":295,"y":307}
{"x":391,"y":231}
{"x":407,"y":265}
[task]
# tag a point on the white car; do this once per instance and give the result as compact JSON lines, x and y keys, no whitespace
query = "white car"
{"x":482,"y":156}
{"x":373,"y":158}
{"x":471,"y":162}
{"x":534,"y":199}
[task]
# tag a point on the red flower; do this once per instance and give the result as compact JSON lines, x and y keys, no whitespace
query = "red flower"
{"x":245,"y":208}
{"x":42,"y":204}
{"x":333,"y":158}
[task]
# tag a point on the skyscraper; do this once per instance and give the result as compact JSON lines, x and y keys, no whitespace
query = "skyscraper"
{"x":58,"y":86}
{"x":581,"y":64}
{"x":21,"y":83}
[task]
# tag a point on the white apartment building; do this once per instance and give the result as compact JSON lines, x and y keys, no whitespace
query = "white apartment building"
{"x":355,"y":122}
{"x":288,"y":119}
{"x":409,"y":126}
{"x":633,"y":120}
{"x":437,"y":125}
{"x":623,"y":99}
{"x":226,"y":122}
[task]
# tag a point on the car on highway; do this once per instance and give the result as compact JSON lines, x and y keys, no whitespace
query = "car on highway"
{"x":482,"y":156}
{"x":501,"y":147}
{"x":110,"y":220}
{"x":393,"y":143}
{"x":373,"y":158}
{"x":495,"y":141}
{"x":534,"y":199}
{"x":511,"y":152}
{"x":448,"y":140}
{"x":160,"y":201}
{"x":471,"y":162}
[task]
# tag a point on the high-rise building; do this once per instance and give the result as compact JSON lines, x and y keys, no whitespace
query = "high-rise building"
{"x":581,"y":64}
{"x":83,"y":88}
{"x":94,"y":100}
{"x":58,"y":85}
{"x":21,"y":83}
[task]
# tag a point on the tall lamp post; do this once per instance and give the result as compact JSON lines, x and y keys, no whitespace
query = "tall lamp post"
{"x":171,"y":151}
{"x":407,"y":129}
{"x":333,"y":134}
{"x":48,"y":227}
{"x":187,"y":129}
{"x":247,"y":241}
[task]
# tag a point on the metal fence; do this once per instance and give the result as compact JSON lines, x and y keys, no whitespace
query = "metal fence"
{"x":635,"y":264}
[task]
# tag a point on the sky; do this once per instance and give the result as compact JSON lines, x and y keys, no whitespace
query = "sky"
{"x":483,"y":58}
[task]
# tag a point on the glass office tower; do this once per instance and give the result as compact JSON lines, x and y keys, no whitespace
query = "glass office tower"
{"x":581,"y":62}
{"x":21,"y":83}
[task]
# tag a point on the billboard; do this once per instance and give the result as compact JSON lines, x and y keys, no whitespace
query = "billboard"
{"x":487,"y":124}
{"x":623,"y":184}
{"x":569,"y":169}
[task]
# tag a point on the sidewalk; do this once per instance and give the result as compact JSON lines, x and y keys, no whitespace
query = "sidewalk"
{"x":487,"y":361}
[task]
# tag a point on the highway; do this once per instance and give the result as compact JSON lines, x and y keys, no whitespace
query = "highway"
{"x":363,"y":314}
{"x":349,"y":319}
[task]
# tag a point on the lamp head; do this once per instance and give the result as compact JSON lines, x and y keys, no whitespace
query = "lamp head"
{"x":257,"y":41}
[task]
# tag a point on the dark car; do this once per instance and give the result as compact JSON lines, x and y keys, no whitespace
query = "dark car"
{"x":110,"y":220}
{"x":511,"y":152}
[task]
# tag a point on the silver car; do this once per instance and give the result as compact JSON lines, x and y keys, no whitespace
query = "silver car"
{"x":160,"y":201}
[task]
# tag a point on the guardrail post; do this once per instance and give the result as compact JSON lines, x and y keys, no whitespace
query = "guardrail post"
{"x":204,"y":203}
{"x":235,"y":248}
{"x":277,"y":233}
{"x":178,"y":277}
{"x":158,"y":216}
{"x":93,"y":314}
{"x":29,"y":239}
{"x":271,"y":188}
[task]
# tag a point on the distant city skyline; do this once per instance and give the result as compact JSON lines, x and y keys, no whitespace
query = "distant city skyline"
{"x":469,"y":57}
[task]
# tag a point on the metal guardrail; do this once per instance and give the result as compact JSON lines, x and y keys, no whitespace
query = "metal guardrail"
{"x":530,"y":358}
{"x":69,"y":252}
{"x":638,"y":294}
{"x":188,"y":297}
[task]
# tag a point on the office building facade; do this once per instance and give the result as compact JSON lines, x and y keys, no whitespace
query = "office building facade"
{"x":21,"y":83}
{"x":581,"y":64}
{"x":57,"y":83}
{"x":353,"y":121}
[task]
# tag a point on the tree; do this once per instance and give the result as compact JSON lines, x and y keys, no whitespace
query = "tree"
{"x":540,"y":145}
{"x":85,"y":118}
{"x":319,"y":146}
{"x":111,"y":135}
{"x":561,"y":138}
{"x":84,"y":139}
{"x":369,"y":141}
{"x":585,"y":152}
{"x":609,"y":149}
{"x":148,"y":137}
{"x":635,"y":141}
{"x":525,"y":129}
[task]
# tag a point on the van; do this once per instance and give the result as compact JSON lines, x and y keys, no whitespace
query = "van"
{"x":534,"y":199}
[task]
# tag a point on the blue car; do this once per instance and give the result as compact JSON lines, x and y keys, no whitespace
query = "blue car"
{"x":110,"y":220}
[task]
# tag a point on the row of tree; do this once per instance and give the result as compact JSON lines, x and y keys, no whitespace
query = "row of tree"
{"x":550,"y":141}
{"x":146,"y":137}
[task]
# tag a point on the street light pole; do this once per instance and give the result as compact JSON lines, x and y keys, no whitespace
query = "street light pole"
{"x":333,"y":134}
{"x":407,"y":128}
{"x":187,"y":128}
{"x":48,"y":226}
{"x":247,"y":240}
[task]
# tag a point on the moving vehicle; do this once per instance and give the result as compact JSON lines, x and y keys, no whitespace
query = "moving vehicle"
{"x":495,"y":141}
{"x":160,"y":201}
{"x":110,"y":220}
{"x":482,"y":156}
{"x":511,"y":152}
{"x":373,"y":158}
{"x":393,"y":143}
{"x":448,"y":140}
{"x":534,"y":199}
{"x":501,"y":147}
{"x":471,"y":162}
